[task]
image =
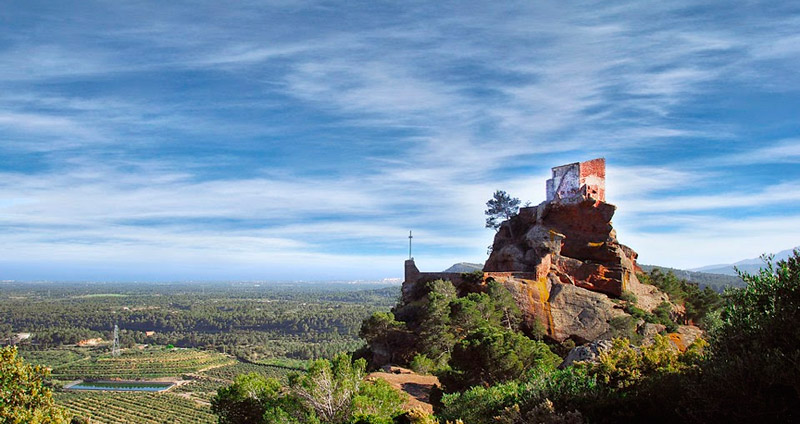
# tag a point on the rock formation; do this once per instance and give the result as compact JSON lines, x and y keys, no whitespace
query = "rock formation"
{"x":561,"y":260}
{"x":572,"y":242}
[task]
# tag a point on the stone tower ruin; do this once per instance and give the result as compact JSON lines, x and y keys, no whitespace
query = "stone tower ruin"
{"x":578,"y":181}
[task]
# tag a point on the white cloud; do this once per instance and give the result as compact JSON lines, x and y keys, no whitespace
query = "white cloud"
{"x":480,"y":98}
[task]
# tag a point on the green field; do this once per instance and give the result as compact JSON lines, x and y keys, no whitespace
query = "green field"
{"x":220,"y":330}
{"x":199,"y":372}
{"x":139,"y":408}
{"x":136,"y":364}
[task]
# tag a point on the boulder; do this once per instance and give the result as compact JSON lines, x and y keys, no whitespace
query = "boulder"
{"x":587,"y":352}
{"x":684,"y":337}
{"x":649,"y":330}
{"x":580,"y":314}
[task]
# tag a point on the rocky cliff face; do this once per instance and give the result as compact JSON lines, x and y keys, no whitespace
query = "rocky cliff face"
{"x":563,"y":264}
{"x":574,"y":243}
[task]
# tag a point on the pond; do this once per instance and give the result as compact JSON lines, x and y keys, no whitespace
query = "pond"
{"x":125,"y":386}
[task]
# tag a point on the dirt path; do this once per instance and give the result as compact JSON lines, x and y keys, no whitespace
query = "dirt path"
{"x":189,"y":395}
{"x":417,"y":386}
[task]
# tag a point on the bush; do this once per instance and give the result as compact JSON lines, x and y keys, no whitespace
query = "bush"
{"x":24,"y":397}
{"x":491,"y":355}
{"x":629,"y":297}
{"x":330,"y":392}
{"x":663,"y":315}
{"x":625,"y":365}
{"x":624,"y":326}
{"x":753,"y":369}
{"x":699,"y":304}
{"x":421,"y":364}
{"x":479,"y":404}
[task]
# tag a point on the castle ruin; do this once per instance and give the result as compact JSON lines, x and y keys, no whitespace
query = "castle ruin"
{"x":578,"y":181}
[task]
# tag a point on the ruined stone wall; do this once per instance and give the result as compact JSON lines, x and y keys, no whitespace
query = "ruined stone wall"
{"x":413,"y":277}
{"x":565,"y":182}
{"x":593,"y":178}
{"x":577,"y":181}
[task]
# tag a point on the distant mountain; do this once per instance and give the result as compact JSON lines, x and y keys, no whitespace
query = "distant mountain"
{"x":748,"y":265}
{"x":464,"y":267}
{"x":717,"y":282}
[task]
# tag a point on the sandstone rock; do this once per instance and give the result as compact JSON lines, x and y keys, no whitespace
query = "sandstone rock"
{"x":587,"y":352}
{"x":649,"y":330}
{"x":532,"y":297}
{"x":576,"y":238}
{"x":648,"y":297}
{"x":561,"y":261}
{"x":580,"y":314}
{"x":684,"y":337}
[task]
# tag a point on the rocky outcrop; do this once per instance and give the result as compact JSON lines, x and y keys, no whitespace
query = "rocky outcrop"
{"x":684,"y":337}
{"x":574,"y":241}
{"x":587,"y":352}
{"x":563,"y":264}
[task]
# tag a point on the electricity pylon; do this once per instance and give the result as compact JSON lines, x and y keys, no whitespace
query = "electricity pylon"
{"x":115,"y":346}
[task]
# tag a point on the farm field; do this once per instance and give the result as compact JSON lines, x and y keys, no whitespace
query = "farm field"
{"x":132,"y":386}
{"x":200,"y":373}
{"x":132,"y":364}
{"x":218,"y":330}
{"x":139,"y":408}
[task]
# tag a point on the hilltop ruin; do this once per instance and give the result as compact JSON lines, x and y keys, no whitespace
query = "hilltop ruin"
{"x":561,"y":259}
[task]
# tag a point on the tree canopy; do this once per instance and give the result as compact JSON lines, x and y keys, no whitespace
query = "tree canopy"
{"x":332,"y":391}
{"x":24,"y":397}
{"x":499,"y":208}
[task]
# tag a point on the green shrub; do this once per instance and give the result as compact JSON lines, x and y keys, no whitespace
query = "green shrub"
{"x":699,"y":304}
{"x":491,"y":355}
{"x":479,"y":404}
{"x":332,"y":391}
{"x":625,"y":365}
{"x":624,"y":326}
{"x":24,"y":396}
{"x":753,"y":368}
{"x":663,"y":315}
{"x":421,"y":364}
{"x":629,"y":297}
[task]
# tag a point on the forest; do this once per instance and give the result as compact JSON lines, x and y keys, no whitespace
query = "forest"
{"x":250,"y":321}
{"x":744,"y":370}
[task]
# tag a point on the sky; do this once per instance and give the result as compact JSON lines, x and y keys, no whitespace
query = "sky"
{"x":302,"y":140}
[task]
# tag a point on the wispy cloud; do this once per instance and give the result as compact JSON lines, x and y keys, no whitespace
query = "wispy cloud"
{"x":298,"y":132}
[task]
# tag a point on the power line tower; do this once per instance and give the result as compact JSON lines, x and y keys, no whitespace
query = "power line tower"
{"x":115,"y":346}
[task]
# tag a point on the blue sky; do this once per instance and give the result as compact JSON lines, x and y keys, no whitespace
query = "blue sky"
{"x":302,"y":140}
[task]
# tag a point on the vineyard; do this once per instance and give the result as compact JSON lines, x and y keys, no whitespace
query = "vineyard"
{"x":141,"y":364}
{"x":144,"y":386}
{"x":229,"y":372}
{"x":201,"y":372}
{"x":139,"y":408}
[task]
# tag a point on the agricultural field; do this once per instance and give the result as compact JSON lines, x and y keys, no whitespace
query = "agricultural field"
{"x":198,"y":373}
{"x":218,"y":331}
{"x":131,"y":386}
{"x":138,"y":408}
{"x":132,"y":364}
{"x":229,"y":372}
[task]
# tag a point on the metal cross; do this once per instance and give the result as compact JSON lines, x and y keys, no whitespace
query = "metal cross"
{"x":409,"y":244}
